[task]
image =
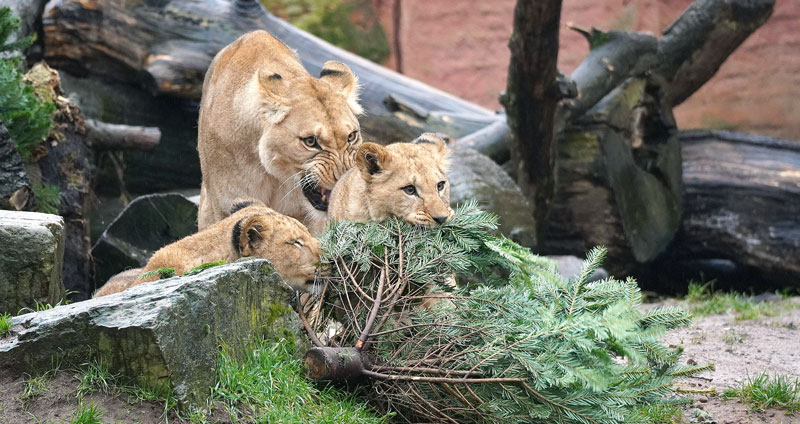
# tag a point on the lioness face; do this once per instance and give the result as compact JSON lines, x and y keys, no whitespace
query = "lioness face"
{"x":313,"y":131}
{"x":408,"y":180}
{"x":285,"y":242}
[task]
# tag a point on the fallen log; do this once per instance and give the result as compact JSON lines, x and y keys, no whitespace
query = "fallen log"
{"x":742,"y":203}
{"x":104,"y":136}
{"x":167,"y":47}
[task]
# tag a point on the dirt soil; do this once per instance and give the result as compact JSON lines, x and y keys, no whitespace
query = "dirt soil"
{"x":737,"y":348}
{"x":59,"y":401}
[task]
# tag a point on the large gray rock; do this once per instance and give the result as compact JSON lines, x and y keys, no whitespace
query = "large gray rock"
{"x":165,"y":333}
{"x":473,"y":175}
{"x":31,"y":258}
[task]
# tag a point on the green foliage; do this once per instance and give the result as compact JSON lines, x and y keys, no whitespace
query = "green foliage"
{"x":663,"y":414}
{"x":27,"y":118}
{"x":161,"y":273}
{"x":87,"y":414}
{"x":332,"y":20}
{"x":705,"y":301}
{"x":5,"y":324}
{"x":202,"y":267}
{"x":581,"y":351}
{"x":764,"y":391}
{"x":49,"y":197}
{"x":268,"y":386}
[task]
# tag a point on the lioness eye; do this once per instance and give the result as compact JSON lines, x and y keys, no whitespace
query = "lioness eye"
{"x":297,"y":243}
{"x":440,"y":186}
{"x":409,"y":190}
{"x":352,"y":137}
{"x":310,"y":141}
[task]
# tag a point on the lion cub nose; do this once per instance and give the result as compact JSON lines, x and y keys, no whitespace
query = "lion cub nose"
{"x":440,"y":219}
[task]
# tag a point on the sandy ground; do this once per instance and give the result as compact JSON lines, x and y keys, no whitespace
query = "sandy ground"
{"x":737,"y":348}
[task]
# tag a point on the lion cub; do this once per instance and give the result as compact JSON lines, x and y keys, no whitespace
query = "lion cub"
{"x":252,"y":229}
{"x":406,"y":180}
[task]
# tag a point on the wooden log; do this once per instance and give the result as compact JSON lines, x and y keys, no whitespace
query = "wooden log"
{"x":15,"y":188}
{"x":618,"y":180}
{"x":105,"y":136}
{"x":334,"y":364}
{"x":167,"y":47}
{"x":742,"y":203}
{"x":531,"y":99}
{"x":701,"y":39}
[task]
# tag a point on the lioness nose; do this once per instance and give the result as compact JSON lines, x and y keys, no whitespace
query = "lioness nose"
{"x":440,"y":219}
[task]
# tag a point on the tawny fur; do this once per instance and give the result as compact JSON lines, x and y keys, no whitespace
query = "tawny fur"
{"x":263,"y":233}
{"x":258,"y":104}
{"x":119,"y":282}
{"x":374,"y":189}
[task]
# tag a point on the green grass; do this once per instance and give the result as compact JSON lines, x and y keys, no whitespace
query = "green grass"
{"x":663,"y":414}
{"x":49,"y":197}
{"x":269,"y":387}
{"x":764,"y":391}
{"x":161,"y":272}
{"x":36,"y":385}
{"x":202,"y":267}
{"x":5,"y":324}
{"x":95,"y":377}
{"x":87,"y":414}
{"x":705,"y":301}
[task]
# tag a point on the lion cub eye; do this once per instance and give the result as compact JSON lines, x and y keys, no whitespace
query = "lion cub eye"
{"x":297,"y":243}
{"x":310,"y":141}
{"x":352,"y":136}
{"x":409,"y":190}
{"x":440,"y":186}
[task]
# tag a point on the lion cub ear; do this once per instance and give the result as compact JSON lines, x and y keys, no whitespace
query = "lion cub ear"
{"x":371,"y":159}
{"x":248,"y":234}
{"x":343,"y":80}
{"x":273,"y":91}
{"x":436,"y":142}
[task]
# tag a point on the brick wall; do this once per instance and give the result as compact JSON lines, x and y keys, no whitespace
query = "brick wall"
{"x":461,"y":46}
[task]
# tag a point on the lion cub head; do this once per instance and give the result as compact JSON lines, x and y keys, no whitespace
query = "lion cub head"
{"x":313,"y":130}
{"x":407,"y":180}
{"x":283,"y":240}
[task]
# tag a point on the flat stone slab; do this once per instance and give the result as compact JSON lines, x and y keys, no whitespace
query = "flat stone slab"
{"x":31,"y":260}
{"x":165,"y":333}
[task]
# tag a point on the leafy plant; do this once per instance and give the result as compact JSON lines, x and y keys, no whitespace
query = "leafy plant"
{"x":5,"y":324}
{"x":87,"y":414}
{"x":517,"y":343}
{"x":49,"y":197}
{"x":27,"y":118}
{"x":764,"y":391}
{"x":202,"y":267}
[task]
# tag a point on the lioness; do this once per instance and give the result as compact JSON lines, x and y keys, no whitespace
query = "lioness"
{"x":251,"y":230}
{"x":406,"y":180}
{"x":269,"y":130}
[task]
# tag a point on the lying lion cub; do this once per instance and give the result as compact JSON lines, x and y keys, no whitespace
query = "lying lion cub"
{"x":251,"y":230}
{"x":406,"y":180}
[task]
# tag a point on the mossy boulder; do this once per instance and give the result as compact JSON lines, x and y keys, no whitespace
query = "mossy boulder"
{"x":164,"y":334}
{"x":31,"y":258}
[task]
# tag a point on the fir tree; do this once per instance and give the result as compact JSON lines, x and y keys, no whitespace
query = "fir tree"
{"x":516,"y":343}
{"x":27,"y":118}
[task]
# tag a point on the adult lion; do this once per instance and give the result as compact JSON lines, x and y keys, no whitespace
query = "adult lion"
{"x":269,"y":130}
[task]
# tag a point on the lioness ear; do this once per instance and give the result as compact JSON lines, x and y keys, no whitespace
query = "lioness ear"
{"x":248,"y":233}
{"x":343,"y":80}
{"x":273,"y":90}
{"x":371,"y":159}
